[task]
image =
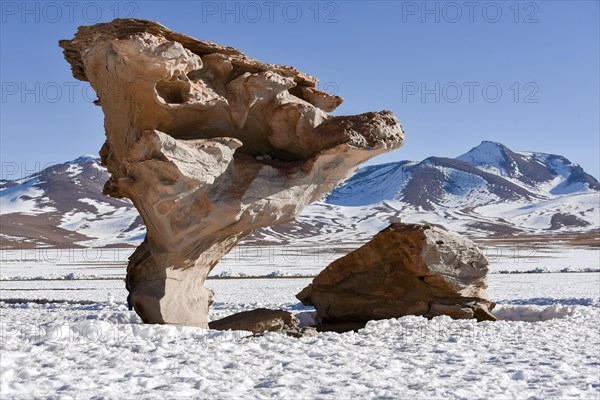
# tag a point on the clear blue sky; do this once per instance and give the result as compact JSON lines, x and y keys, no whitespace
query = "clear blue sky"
{"x":408,"y":57}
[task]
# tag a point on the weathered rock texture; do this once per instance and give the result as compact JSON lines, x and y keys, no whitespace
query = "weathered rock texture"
{"x":259,"y":321}
{"x":209,"y":145}
{"x":406,"y":269}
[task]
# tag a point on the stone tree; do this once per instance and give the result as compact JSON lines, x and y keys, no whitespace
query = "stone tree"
{"x":209,"y":145}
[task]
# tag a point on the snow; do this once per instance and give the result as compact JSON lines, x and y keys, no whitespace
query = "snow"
{"x":537,"y":216}
{"x":488,"y":156}
{"x":464,"y":213}
{"x":101,"y":206}
{"x":65,"y":326}
{"x":436,"y":359}
{"x":101,"y":350}
{"x":15,"y":238}
{"x":65,"y":331}
{"x":74,"y":170}
{"x":105,"y":224}
{"x":24,"y":199}
{"x":287,"y":260}
{"x":568,"y":188}
{"x":102,"y":224}
{"x":468,"y":199}
{"x":86,"y":159}
{"x":369,"y":189}
{"x":533,"y":313}
{"x":465,"y":184}
{"x":53,"y":277}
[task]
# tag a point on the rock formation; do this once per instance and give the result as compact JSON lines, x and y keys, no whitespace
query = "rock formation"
{"x":406,"y":269}
{"x":209,"y":145}
{"x":261,"y":320}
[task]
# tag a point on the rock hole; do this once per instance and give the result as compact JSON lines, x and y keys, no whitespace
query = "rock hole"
{"x":296,"y":91}
{"x":172,"y":92}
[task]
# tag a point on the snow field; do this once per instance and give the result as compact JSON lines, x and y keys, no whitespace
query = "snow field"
{"x":74,"y":351}
{"x":65,"y":332}
{"x":102,"y":350}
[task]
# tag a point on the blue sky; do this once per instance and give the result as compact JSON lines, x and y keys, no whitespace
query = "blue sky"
{"x":525,"y":74}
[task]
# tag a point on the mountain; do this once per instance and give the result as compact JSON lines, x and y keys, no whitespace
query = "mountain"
{"x":489,"y":190}
{"x":63,"y":205}
{"x":488,"y":173}
{"x":536,"y":171}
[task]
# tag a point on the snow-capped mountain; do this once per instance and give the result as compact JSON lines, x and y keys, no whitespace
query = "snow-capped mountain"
{"x":488,"y":190}
{"x":489,"y":173}
{"x":538,"y":172}
{"x":64,"y":205}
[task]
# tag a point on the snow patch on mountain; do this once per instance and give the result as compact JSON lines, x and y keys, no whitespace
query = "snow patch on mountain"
{"x":107,"y":227}
{"x":102,"y":206}
{"x":488,"y":156}
{"x":67,"y":198}
{"x":365,"y":186}
{"x":24,"y":199}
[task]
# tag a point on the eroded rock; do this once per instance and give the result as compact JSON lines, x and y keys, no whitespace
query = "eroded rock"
{"x":261,"y":320}
{"x":210,"y":144}
{"x":406,"y":269}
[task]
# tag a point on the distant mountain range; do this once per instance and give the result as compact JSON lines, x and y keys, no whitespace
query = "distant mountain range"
{"x":490,"y":190}
{"x":63,"y":205}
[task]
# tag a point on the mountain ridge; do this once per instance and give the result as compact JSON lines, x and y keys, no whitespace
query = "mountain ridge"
{"x":489,"y":190}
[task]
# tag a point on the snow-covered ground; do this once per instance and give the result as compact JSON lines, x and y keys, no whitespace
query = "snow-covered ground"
{"x":302,"y":258}
{"x":545,"y":345}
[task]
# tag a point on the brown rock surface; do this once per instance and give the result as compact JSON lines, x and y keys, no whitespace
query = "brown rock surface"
{"x":210,"y":144}
{"x":406,"y":269}
{"x":259,"y":321}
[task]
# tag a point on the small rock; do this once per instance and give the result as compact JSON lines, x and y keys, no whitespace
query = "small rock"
{"x":262,"y":320}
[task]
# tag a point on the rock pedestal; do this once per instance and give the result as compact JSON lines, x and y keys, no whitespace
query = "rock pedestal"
{"x":406,"y":269}
{"x":210,"y":144}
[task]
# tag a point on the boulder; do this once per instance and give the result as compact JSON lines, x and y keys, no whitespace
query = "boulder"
{"x":259,"y":321}
{"x":406,"y":269}
{"x":209,"y":145}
